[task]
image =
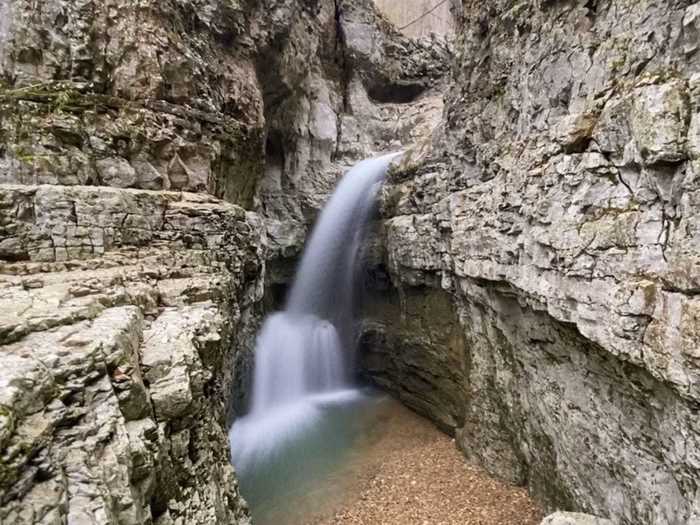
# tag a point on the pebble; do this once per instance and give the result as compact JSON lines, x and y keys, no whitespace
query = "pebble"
{"x":415,"y":475}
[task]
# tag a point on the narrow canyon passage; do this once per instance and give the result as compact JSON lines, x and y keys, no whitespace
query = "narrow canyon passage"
{"x":316,"y":447}
{"x":529,"y":269}
{"x":376,"y":462}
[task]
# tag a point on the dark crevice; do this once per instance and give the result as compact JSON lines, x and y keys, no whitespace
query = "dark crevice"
{"x":396,"y":92}
{"x":342,"y":62}
{"x":158,"y":506}
{"x":73,"y":213}
{"x":15,"y":257}
{"x":623,"y":181}
{"x":671,"y":288}
{"x":591,"y":7}
{"x":608,"y":157}
{"x":274,"y":150}
{"x":341,"y":56}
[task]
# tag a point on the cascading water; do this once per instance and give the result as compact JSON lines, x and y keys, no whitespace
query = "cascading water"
{"x":303,"y":356}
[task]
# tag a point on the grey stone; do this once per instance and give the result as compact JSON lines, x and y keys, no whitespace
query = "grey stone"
{"x":574,"y":518}
{"x":535,"y":273}
{"x":659,"y":122}
{"x":554,"y":211}
{"x":117,"y":172}
{"x":387,"y":96}
{"x":103,"y":97}
{"x":116,"y":360}
{"x":130,"y":279}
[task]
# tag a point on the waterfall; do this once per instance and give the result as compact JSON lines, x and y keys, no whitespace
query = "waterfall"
{"x":303,"y":354}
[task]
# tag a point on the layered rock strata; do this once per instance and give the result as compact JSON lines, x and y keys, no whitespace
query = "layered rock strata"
{"x":133,"y":137}
{"x":340,"y":84}
{"x":116,"y":340}
{"x":131,"y":277}
{"x":554,"y":214}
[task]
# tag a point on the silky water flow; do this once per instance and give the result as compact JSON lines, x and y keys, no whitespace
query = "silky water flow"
{"x":305,"y":411}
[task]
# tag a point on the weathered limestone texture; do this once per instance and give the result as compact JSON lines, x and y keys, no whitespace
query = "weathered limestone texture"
{"x":556,"y":212}
{"x":150,"y":95}
{"x":115,"y":342}
{"x":340,"y":84}
{"x":133,"y":138}
{"x":129,"y":291}
{"x":574,"y":518}
{"x":418,"y":18}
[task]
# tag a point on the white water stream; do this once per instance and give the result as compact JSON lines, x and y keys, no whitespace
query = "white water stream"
{"x":302,"y":375}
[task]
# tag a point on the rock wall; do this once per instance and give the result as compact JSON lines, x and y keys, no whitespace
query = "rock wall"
{"x":536,"y":289}
{"x":419,"y":18}
{"x":133,"y":138}
{"x":131,"y":276}
{"x":159,"y":95}
{"x":340,"y":84}
{"x":555,"y":214}
{"x":116,"y":341}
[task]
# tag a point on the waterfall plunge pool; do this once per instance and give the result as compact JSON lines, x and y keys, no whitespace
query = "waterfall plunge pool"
{"x":314,"y":454}
{"x":314,"y":448}
{"x":372,"y":460}
{"x":305,"y":411}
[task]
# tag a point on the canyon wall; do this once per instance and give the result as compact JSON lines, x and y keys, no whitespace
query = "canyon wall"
{"x":131,"y":140}
{"x":352,"y":88}
{"x":553,"y":218}
{"x":533,"y":287}
{"x":116,"y":351}
{"x":419,"y":18}
{"x":160,"y":165}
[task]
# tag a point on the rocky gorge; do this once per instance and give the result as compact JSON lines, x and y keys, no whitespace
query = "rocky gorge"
{"x":532,"y":286}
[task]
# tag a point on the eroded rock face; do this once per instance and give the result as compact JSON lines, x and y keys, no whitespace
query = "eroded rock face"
{"x":419,"y":17}
{"x":129,"y":291}
{"x":116,"y":343}
{"x":556,"y":214}
{"x":340,"y":84}
{"x":159,"y":95}
{"x":133,"y":137}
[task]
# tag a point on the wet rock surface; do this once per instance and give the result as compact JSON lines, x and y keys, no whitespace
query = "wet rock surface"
{"x":554,"y":213}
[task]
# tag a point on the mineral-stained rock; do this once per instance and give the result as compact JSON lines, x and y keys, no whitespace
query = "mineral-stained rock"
{"x":116,"y":338}
{"x":554,"y":214}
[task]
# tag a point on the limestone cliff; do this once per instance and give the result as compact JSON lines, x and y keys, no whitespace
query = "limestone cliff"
{"x":534,"y":287}
{"x":155,"y":158}
{"x":130,"y":136}
{"x":116,"y":368}
{"x":553,"y":217}
{"x":419,"y":18}
{"x":339,"y":85}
